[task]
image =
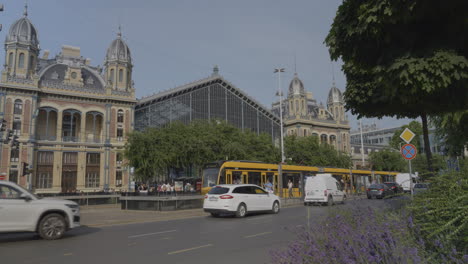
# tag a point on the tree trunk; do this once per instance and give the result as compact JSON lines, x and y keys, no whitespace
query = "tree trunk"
{"x":427,"y":146}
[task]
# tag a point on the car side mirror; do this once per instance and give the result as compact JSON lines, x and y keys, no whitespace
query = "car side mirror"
{"x":25,"y":197}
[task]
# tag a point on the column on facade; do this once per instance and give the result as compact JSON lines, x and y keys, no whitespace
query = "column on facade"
{"x":57,"y":169}
{"x":59,"y":125}
{"x":81,"y":171}
{"x":83,"y":127}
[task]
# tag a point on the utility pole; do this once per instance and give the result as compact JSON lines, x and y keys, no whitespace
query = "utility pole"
{"x":280,"y":93}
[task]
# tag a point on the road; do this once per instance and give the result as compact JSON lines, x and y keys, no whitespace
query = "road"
{"x":192,"y":240}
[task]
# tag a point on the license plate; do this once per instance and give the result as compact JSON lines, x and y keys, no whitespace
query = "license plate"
{"x":374,"y":191}
{"x":213,"y":199}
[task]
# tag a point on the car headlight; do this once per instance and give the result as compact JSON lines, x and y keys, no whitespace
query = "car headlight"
{"x":73,"y":206}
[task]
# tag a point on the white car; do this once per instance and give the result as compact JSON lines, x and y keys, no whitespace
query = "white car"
{"x":239,"y":199}
{"x":323,"y":188}
{"x":22,"y":211}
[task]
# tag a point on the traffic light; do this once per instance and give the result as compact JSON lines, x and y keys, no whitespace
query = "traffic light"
{"x":25,"y":169}
{"x":3,"y":125}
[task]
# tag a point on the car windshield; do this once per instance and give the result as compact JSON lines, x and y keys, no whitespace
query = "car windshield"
{"x":390,"y":184}
{"x":210,"y":177}
{"x":420,"y":185}
{"x":218,"y":190}
{"x":376,"y":186}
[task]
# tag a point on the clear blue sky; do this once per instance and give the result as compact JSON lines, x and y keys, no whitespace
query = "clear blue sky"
{"x":174,"y":42}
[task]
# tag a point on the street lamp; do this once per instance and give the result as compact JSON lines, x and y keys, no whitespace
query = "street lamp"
{"x":362,"y":143}
{"x":280,"y":92}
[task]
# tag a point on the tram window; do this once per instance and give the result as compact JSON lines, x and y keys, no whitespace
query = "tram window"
{"x":236,"y":177}
{"x":222,"y":178}
{"x":254,"y":178}
{"x":294,"y":177}
{"x":269,"y":177}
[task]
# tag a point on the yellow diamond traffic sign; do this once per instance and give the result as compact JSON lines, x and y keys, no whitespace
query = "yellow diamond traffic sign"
{"x":407,"y":135}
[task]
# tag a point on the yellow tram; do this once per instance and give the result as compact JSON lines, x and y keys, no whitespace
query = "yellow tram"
{"x":259,"y":173}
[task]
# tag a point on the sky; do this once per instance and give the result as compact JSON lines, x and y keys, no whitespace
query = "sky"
{"x":174,"y":42}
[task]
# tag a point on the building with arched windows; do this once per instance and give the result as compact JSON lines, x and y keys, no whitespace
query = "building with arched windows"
{"x":71,"y":118}
{"x":303,"y":116}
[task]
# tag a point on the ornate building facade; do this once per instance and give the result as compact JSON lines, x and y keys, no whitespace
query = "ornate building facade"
{"x":71,"y":118}
{"x":303,"y":116}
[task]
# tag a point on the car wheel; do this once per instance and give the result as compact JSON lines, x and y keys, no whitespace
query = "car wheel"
{"x":214,"y":214}
{"x":330,"y":201}
{"x":52,"y":227}
{"x":369,"y":197}
{"x":241,"y":210}
{"x":276,"y":208}
{"x":306,"y":204}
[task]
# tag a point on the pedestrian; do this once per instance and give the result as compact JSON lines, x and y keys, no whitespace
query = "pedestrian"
{"x":268,"y":186}
{"x":290,"y":188}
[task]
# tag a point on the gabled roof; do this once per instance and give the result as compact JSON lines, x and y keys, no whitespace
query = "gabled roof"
{"x":215,"y":78}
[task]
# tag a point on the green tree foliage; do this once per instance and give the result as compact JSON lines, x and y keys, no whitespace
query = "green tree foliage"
{"x":388,"y":160}
{"x":452,"y":129}
{"x":308,"y":151}
{"x":154,"y":151}
{"x":419,"y":164}
{"x":402,"y":58}
{"x":396,"y":142}
{"x":441,"y":213}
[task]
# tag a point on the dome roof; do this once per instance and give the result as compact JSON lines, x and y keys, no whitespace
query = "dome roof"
{"x":118,"y":50}
{"x":296,"y":86}
{"x":334,"y":96}
{"x":23,"y":31}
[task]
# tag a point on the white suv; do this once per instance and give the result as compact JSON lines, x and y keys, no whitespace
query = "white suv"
{"x":239,"y":199}
{"x":22,"y":211}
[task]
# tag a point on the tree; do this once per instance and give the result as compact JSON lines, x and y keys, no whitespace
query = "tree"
{"x":402,"y":58}
{"x":388,"y":160}
{"x":396,"y":142}
{"x":452,"y":129}
{"x":308,"y":151}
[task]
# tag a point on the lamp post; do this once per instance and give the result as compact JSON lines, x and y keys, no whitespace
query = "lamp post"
{"x":362,"y":143}
{"x":280,"y":92}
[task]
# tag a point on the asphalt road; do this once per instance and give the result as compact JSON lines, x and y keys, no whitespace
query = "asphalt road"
{"x":193,"y":240}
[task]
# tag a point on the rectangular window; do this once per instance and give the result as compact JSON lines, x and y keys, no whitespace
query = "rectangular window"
{"x":17,"y":127}
{"x":14,"y":157}
{"x":93,"y":162}
{"x":118,"y":178}
{"x":119,"y":134}
{"x":119,"y":159}
{"x":44,"y":175}
{"x":13,"y":176}
{"x":44,"y":180}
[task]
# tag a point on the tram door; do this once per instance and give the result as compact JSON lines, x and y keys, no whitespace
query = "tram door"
{"x":237,"y":177}
{"x":228,"y":177}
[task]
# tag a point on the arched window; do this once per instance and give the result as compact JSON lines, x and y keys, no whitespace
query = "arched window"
{"x":10,"y":59}
{"x":120,"y":116}
{"x":120,"y":75}
{"x":18,"y":108}
{"x":303,"y":106}
{"x":21,"y":61}
{"x":111,"y":77}
{"x":297,"y":106}
{"x":31,"y":62}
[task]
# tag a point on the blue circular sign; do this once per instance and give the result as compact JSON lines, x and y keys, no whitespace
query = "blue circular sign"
{"x":408,"y":151}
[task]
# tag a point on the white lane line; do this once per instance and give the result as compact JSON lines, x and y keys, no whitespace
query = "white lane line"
{"x":299,"y":225}
{"x":189,"y":249}
{"x":259,"y":234}
{"x":150,"y":234}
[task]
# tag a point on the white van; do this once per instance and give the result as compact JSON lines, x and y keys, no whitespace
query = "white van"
{"x":404,"y":180}
{"x":323,"y":188}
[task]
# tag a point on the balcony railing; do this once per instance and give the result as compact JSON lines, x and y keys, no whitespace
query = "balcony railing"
{"x":71,"y":139}
{"x":48,"y":138}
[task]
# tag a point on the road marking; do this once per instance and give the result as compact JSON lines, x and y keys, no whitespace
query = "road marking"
{"x":259,"y":234}
{"x":150,"y":234}
{"x":188,"y":249}
{"x":68,"y":254}
{"x":299,"y":226}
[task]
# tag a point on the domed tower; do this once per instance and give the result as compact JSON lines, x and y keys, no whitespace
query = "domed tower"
{"x":297,"y":102}
{"x":21,"y":48}
{"x":118,"y":64}
{"x":335,"y":103}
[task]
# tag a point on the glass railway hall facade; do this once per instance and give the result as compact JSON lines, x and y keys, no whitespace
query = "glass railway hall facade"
{"x":209,"y":98}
